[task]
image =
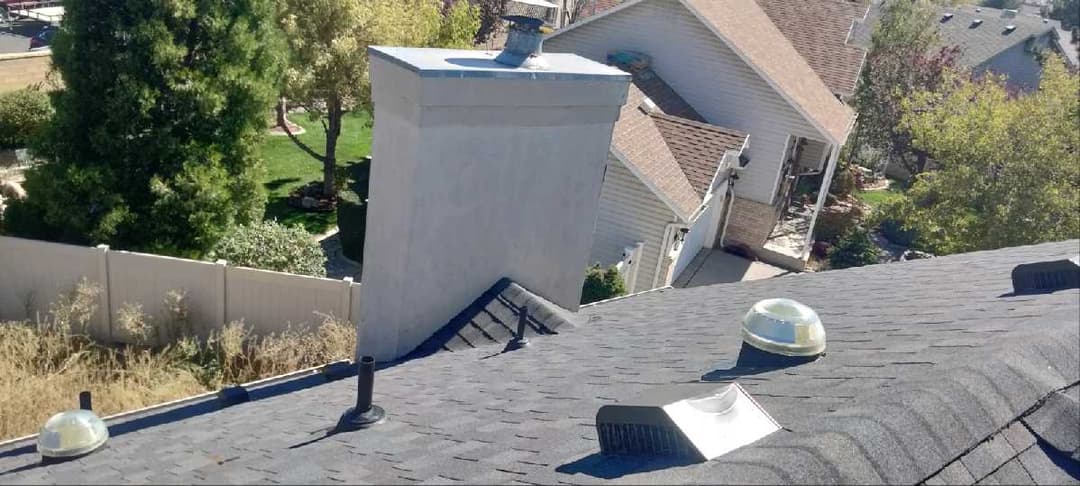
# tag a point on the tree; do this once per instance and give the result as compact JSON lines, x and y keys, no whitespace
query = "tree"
{"x":901,"y":60}
{"x":1009,"y":172}
{"x":1002,"y":4}
{"x":1067,"y":11}
{"x":491,"y":12}
{"x":328,"y":65}
{"x":152,"y":145}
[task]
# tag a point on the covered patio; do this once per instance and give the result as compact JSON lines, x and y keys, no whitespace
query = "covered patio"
{"x":716,"y":266}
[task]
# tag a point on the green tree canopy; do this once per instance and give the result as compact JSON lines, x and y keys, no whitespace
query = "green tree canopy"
{"x":152,"y":144}
{"x":901,"y":60}
{"x":1009,"y":172}
{"x":328,"y":41}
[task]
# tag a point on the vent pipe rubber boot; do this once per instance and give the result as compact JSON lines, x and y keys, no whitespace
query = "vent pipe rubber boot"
{"x":364,"y":414}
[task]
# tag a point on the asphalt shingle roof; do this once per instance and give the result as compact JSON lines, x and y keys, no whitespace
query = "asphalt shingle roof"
{"x":928,"y":362}
{"x":979,"y":44}
{"x":671,"y":147}
{"x":819,"y":30}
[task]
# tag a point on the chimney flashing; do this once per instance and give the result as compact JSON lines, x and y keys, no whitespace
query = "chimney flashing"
{"x":460,"y":63}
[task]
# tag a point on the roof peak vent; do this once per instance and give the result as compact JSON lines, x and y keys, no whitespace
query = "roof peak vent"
{"x":1040,"y":277}
{"x":647,"y":105}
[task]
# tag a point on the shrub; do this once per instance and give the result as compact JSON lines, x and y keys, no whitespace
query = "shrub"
{"x":890,"y":220}
{"x":22,"y":115}
{"x":834,"y":221}
{"x":602,"y":283}
{"x":855,"y":249}
{"x":269,"y":245}
{"x":843,"y":183}
{"x":352,"y":224}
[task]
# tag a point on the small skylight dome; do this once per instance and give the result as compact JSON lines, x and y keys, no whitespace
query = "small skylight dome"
{"x":72,"y":433}
{"x":785,"y":327}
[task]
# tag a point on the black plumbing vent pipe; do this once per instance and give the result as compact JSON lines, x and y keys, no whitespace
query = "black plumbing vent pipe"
{"x":364,"y":414}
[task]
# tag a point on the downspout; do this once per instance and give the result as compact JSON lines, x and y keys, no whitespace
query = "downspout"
{"x":730,"y":204}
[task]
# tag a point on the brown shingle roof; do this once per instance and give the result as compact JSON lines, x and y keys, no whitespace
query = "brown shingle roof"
{"x":672,"y":149}
{"x":744,"y":26}
{"x":698,"y":147}
{"x":818,"y":29}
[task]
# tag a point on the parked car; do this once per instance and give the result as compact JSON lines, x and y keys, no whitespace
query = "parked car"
{"x":43,"y":39}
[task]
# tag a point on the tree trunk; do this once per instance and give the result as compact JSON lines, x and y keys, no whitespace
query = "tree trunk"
{"x":282,"y":110}
{"x":333,"y":131}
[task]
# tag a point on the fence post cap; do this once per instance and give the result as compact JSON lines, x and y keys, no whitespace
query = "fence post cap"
{"x":220,"y":262}
{"x":347,"y":279}
{"x":102,"y":246}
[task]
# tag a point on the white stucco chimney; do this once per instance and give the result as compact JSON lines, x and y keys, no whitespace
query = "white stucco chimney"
{"x":480,"y":171}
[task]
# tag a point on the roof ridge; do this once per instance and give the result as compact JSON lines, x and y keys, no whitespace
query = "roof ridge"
{"x":699,"y":124}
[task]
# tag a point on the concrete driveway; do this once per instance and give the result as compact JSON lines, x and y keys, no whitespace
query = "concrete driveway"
{"x":717,"y":266}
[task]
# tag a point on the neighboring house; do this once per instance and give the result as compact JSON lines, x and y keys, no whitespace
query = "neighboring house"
{"x":741,"y":68}
{"x":934,"y":373}
{"x":1003,"y":42}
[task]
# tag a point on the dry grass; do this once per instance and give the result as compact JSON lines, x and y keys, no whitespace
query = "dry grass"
{"x":45,"y":364}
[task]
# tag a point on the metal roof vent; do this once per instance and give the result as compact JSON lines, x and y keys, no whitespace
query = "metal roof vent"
{"x":524,"y":41}
{"x":1010,"y":28}
{"x":72,"y":434}
{"x":784,"y":327}
{"x":947,"y":16}
{"x":683,"y":422}
{"x":1034,"y":278}
{"x":647,"y":105}
{"x":976,"y":23}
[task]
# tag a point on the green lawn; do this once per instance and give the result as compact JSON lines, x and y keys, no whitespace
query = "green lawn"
{"x":287,"y":167}
{"x":883,"y":196}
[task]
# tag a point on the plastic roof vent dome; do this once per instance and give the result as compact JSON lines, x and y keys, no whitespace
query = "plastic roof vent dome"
{"x":72,"y":433}
{"x":785,"y":327}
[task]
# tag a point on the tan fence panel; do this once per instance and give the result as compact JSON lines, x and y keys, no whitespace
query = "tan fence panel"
{"x":271,"y":301}
{"x":22,"y":70}
{"x":34,"y":274}
{"x":137,"y":278}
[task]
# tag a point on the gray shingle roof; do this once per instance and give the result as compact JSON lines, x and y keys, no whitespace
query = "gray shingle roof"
{"x":977,"y":44}
{"x":928,"y":361}
{"x":493,"y":318}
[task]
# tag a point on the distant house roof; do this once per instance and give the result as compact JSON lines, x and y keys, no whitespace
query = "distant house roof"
{"x":982,"y":42}
{"x":934,"y":373}
{"x":820,"y":30}
{"x":668,"y":145}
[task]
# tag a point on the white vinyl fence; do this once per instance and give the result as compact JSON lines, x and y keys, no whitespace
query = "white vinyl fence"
{"x":34,"y":274}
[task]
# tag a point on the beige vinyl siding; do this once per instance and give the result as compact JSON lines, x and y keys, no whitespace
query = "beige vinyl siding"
{"x":813,"y":155}
{"x":705,"y":72}
{"x":629,"y":213}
